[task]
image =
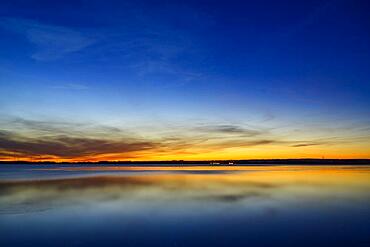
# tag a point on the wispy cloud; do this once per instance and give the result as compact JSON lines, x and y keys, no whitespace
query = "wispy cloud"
{"x":51,"y":41}
{"x":62,"y":146}
{"x":50,"y":128}
{"x":149,"y":47}
{"x":44,"y":139}
{"x":230,"y":129}
{"x":71,"y":86}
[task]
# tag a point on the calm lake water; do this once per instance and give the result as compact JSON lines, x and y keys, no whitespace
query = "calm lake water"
{"x":46,"y":205}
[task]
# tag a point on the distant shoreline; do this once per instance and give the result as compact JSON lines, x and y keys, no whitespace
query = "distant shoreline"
{"x":212,"y":162}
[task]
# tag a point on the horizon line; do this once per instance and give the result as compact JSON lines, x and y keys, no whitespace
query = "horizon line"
{"x":211,"y":162}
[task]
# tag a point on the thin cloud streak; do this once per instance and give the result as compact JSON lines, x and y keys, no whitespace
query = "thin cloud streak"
{"x":71,"y":86}
{"x":307,"y":144}
{"x":229,"y":129}
{"x":52,"y":42}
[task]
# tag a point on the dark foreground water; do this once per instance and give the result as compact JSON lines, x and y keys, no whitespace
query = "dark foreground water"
{"x":192,"y":206}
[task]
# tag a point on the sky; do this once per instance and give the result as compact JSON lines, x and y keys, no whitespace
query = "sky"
{"x":184,"y":80}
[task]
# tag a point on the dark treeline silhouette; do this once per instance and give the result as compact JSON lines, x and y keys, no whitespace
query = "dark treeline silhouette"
{"x":213,"y":162}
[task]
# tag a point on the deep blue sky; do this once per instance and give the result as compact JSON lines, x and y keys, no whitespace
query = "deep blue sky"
{"x":297,"y":72}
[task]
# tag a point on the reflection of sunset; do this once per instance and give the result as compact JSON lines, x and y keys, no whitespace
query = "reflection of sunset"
{"x":216,"y":184}
{"x":186,"y":203}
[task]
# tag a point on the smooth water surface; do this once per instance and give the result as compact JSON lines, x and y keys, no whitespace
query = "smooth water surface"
{"x":50,"y":205}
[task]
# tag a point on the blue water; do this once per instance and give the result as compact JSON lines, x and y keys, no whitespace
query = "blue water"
{"x":48,"y":205}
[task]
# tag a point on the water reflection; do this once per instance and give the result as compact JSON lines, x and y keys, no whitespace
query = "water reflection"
{"x":195,"y":206}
